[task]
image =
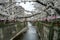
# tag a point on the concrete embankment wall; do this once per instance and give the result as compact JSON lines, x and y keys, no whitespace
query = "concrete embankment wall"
{"x":19,"y":34}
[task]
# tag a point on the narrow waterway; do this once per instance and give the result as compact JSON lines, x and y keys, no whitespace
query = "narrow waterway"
{"x":31,"y":33}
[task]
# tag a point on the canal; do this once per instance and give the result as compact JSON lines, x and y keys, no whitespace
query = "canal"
{"x":31,"y":33}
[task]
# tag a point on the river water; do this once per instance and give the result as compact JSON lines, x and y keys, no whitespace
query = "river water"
{"x":31,"y":33}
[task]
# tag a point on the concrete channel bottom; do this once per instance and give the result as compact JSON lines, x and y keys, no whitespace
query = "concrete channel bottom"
{"x":31,"y":34}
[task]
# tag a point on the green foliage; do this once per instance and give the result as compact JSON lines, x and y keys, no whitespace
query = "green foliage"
{"x":4,"y":25}
{"x":20,"y":25}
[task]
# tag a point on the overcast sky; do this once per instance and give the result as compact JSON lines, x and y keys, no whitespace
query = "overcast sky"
{"x":27,"y":6}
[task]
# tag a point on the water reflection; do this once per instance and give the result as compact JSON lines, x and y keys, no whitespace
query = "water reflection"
{"x":31,"y":34}
{"x":31,"y":28}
